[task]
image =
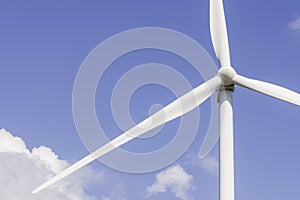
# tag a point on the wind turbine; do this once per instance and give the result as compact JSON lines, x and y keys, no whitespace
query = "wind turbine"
{"x":223,"y":83}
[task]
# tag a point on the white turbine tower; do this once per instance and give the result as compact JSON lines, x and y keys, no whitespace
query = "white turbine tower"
{"x":223,"y":83}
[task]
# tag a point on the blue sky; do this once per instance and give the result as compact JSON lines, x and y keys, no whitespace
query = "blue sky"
{"x":44,"y":44}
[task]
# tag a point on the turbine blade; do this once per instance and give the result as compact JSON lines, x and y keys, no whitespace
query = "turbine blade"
{"x":175,"y":109}
{"x":268,"y":89}
{"x":218,"y":32}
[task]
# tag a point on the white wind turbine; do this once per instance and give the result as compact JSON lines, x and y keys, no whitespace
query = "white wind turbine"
{"x":223,"y":83}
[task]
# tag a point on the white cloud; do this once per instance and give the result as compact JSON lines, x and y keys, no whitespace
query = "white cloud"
{"x":12,"y":144}
{"x":48,"y":158}
{"x":21,"y":170}
{"x":295,"y":25}
{"x":174,"y":179}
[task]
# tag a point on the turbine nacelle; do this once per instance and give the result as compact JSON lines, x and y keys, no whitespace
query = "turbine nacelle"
{"x":227,"y":73}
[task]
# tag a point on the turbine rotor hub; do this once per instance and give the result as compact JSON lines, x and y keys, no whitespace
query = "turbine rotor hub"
{"x":227,"y":73}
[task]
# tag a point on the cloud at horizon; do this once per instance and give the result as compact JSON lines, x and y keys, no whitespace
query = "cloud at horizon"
{"x":22,"y":170}
{"x":175,"y":180}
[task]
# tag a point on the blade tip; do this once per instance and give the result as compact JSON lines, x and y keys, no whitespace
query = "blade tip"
{"x":37,"y":190}
{"x":34,"y":191}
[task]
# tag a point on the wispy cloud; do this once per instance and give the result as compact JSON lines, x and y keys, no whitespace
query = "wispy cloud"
{"x":174,"y":179}
{"x":117,"y":193}
{"x":295,"y":25}
{"x":211,"y":164}
{"x":21,"y":170}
